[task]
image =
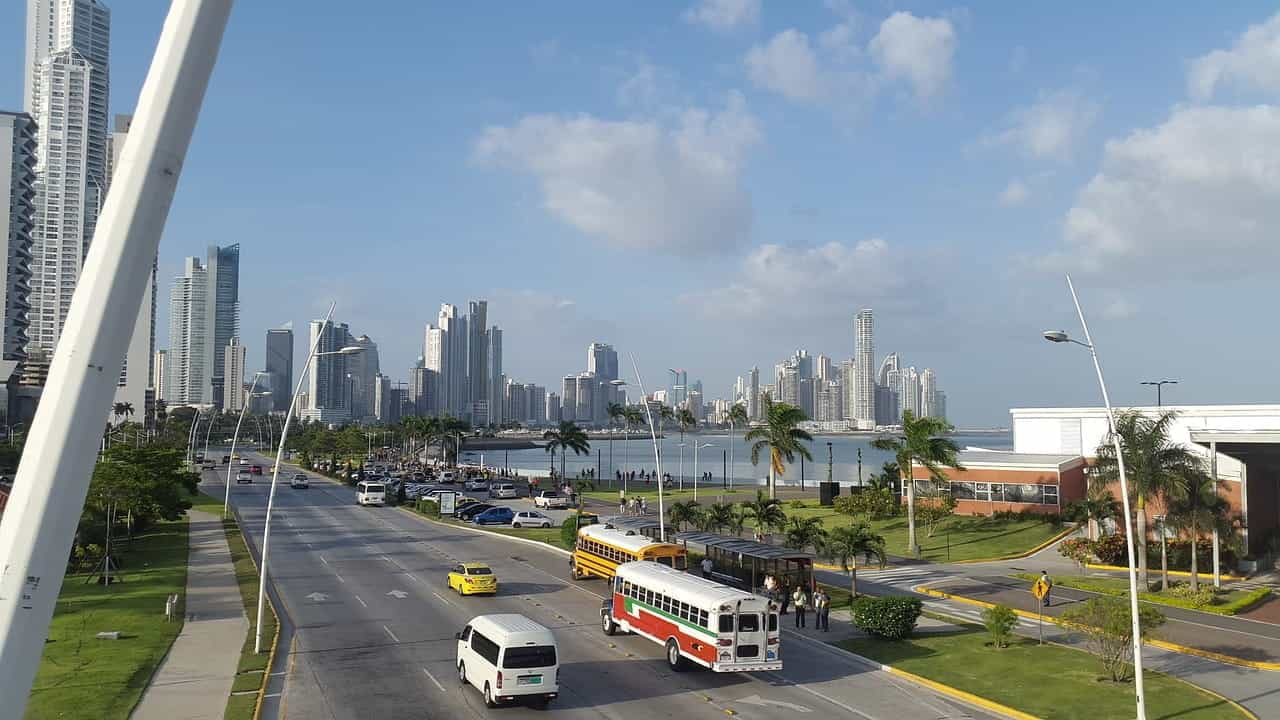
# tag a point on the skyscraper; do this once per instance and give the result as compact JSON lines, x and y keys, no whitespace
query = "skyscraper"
{"x":17,"y":217}
{"x":848,"y":381}
{"x":453,"y":373}
{"x":233,"y":358}
{"x":436,"y":358}
{"x":497,"y":381}
{"x":864,"y":391}
{"x":823,"y":369}
{"x":585,"y":396}
{"x":189,"y":370}
{"x":753,"y":394}
{"x":553,"y":408}
{"x":66,"y":91}
{"x":478,"y":362}
{"x":279,"y":366}
{"x":602,"y":360}
{"x":928,"y":393}
{"x":940,"y":404}
{"x":160,"y":375}
{"x":569,"y":398}
{"x":908,"y":391}
{"x":223,"y":306}
{"x":328,"y":388}
{"x":363,"y":369}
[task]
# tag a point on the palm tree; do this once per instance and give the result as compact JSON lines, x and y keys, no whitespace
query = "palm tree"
{"x":766,"y":512}
{"x":1153,"y":465}
{"x":616,"y":412}
{"x":844,"y":544}
{"x":118,"y":410}
{"x":1195,"y":508}
{"x":782,"y":437}
{"x":737,"y":520}
{"x":1098,"y":505}
{"x":567,"y":436}
{"x":804,"y":532}
{"x":127,"y":410}
{"x":884,"y":479}
{"x":921,"y":443}
{"x":682,"y":513}
{"x":737,"y":416}
{"x":633,"y":417}
{"x":685,"y":420}
{"x":718,"y":516}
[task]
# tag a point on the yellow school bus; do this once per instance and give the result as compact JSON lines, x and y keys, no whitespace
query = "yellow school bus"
{"x":601,"y":548}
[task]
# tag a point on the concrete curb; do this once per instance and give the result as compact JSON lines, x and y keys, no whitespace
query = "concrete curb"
{"x":513,"y":538}
{"x":1179,"y":573}
{"x":975,"y":561}
{"x":1162,"y":644}
{"x":271,"y":605}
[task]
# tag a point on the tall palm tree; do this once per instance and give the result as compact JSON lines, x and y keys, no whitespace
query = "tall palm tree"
{"x":782,"y":437}
{"x":738,"y":417}
{"x":567,"y":436}
{"x":844,"y":544}
{"x":922,"y":443}
{"x":1153,"y":464}
{"x":766,"y":512}
{"x":1098,"y":505}
{"x":118,"y":410}
{"x":684,"y":513}
{"x":718,"y":516}
{"x":128,"y":410}
{"x":804,"y":532}
{"x":1195,"y":508}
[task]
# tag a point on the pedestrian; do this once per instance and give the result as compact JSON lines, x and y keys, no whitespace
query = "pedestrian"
{"x":801,"y":599}
{"x":1048,"y":585}
{"x":644,"y":505}
{"x":707,"y":565}
{"x":784,"y":596}
{"x":822,"y":610}
{"x":622,"y":506}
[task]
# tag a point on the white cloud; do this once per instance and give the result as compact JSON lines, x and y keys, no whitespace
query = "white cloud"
{"x":639,"y":184}
{"x":918,"y":50}
{"x":1119,"y":308}
{"x":787,"y":65}
{"x":780,"y":282}
{"x":1253,"y":63}
{"x":1014,"y":194}
{"x":1199,"y":193}
{"x":723,"y":15}
{"x":1049,"y":128}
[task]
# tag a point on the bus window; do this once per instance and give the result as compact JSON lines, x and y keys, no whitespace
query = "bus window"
{"x":773,"y":622}
{"x":749,"y":623}
{"x":682,"y":562}
{"x":726,"y":623}
{"x":665,"y":561}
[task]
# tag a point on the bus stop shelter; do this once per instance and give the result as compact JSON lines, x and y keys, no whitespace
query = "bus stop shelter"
{"x":747,"y":562}
{"x":643,"y":525}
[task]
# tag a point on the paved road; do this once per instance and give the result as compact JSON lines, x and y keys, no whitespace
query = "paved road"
{"x":374,"y":624}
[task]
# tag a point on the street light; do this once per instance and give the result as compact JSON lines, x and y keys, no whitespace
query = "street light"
{"x":1159,"y":385}
{"x":657,"y":454}
{"x":226,"y":496}
{"x":275,"y":473}
{"x":1060,"y":336}
{"x":696,"y":446}
{"x":626,"y":439}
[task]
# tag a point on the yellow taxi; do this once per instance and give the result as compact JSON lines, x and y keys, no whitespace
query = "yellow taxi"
{"x":473,"y":579}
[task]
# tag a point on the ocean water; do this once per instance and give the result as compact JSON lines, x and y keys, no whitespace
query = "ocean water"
{"x":639,"y":455}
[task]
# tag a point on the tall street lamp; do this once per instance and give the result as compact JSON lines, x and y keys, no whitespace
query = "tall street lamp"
{"x":226,"y":498}
{"x":1159,"y":385}
{"x":275,"y":473}
{"x":696,"y":446}
{"x":1060,"y":336}
{"x":657,"y":454}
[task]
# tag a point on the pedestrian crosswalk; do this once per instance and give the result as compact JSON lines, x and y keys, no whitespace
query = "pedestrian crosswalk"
{"x":906,"y":577}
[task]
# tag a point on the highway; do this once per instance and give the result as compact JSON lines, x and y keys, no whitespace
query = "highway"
{"x":373,"y":629}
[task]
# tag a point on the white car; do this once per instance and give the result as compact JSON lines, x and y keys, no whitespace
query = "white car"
{"x":244,"y":461}
{"x":530,"y":518}
{"x":476,"y":484}
{"x":448,"y":476}
{"x":503,"y":490}
{"x":300,"y":481}
{"x":548,"y":499}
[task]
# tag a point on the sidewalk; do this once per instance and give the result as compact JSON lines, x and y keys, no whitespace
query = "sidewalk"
{"x":194,"y":680}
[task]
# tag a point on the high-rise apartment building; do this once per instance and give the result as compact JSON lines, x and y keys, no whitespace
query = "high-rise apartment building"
{"x":940,"y":404}
{"x":823,"y":369}
{"x":908,"y":391}
{"x":569,"y":399}
{"x":928,"y":393}
{"x":233,"y":358}
{"x":17,"y":217}
{"x":553,"y":408}
{"x":224,"y":308}
{"x":602,"y":360}
{"x":160,"y":375}
{"x":279,"y":366}
{"x":363,"y":369}
{"x":585,"y":397}
{"x":753,"y":394}
{"x":453,"y":372}
{"x":328,"y":386}
{"x":497,"y":380}
{"x":478,"y":362}
{"x":436,"y":358}
{"x":66,"y":82}
{"x":848,"y":380}
{"x":382,"y":398}
{"x":864,"y":390}
{"x":537,"y":404}
{"x":189,"y":370}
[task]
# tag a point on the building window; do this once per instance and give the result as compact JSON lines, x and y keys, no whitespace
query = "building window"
{"x":1050,"y":494}
{"x":963,"y":490}
{"x":982,"y":491}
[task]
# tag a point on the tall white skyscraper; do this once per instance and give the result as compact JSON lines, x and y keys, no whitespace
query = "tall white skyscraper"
{"x":602,"y":360}
{"x":160,"y":375}
{"x":188,"y":373}
{"x":17,"y":216}
{"x":363,"y":369}
{"x":928,"y":393}
{"x":864,"y":389}
{"x":753,"y":394}
{"x":328,"y":387}
{"x":233,"y":359}
{"x":908,"y":391}
{"x":497,"y":381}
{"x":66,"y":90}
{"x":823,"y":369}
{"x":477,"y":406}
{"x":436,"y":358}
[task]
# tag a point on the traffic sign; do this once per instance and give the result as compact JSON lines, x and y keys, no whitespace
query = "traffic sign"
{"x":1040,"y":588}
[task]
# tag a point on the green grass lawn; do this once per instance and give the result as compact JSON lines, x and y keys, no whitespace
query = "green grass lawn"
{"x":250,"y":669}
{"x":1048,"y":681}
{"x":1225,"y":602}
{"x":83,"y":677}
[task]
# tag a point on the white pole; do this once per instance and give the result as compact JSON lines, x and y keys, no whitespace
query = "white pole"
{"x":731,"y":468}
{"x":213,"y":413}
{"x":226,"y":499}
{"x":657,"y":456}
{"x":1128,"y":519}
{"x":53,"y":476}
{"x":275,"y":475}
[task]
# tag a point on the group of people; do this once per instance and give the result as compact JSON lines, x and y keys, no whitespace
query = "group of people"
{"x":801,"y":601}
{"x":634,"y":505}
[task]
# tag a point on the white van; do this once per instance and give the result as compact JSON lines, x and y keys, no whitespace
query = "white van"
{"x":371,"y":493}
{"x":508,"y":657}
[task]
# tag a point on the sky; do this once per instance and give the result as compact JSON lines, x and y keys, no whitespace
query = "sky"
{"x":712,"y":184}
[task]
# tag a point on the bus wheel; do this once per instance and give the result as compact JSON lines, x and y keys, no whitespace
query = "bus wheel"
{"x":674,"y":660}
{"x":607,"y":624}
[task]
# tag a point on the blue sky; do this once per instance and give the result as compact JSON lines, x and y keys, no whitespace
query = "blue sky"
{"x":712,"y":184}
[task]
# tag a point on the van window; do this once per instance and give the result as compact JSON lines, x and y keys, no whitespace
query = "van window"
{"x":485,"y":648}
{"x":466,"y":633}
{"x":530,"y":656}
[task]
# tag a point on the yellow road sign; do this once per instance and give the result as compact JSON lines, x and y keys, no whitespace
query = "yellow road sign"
{"x":1040,"y":589}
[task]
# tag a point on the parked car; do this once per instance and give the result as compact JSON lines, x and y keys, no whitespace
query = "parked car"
{"x":548,"y":499}
{"x":471,"y":511}
{"x":476,"y":484}
{"x":495,"y":516}
{"x":448,"y":477}
{"x":530,"y":518}
{"x":504,"y":490}
{"x":226,"y":459}
{"x":300,"y":481}
{"x":255,"y":469}
{"x":243,"y":477}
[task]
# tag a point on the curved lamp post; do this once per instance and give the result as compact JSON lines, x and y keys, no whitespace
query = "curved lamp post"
{"x":226,"y":499}
{"x":697,"y":446}
{"x":1060,"y":336}
{"x":275,"y":473}
{"x":657,"y":455}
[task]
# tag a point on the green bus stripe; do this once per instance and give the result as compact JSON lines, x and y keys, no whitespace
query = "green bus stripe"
{"x":629,"y":601}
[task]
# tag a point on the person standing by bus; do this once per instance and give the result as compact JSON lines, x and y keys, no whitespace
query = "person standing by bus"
{"x":822,"y":610}
{"x":801,"y":599}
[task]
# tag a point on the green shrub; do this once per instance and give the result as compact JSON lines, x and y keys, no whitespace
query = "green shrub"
{"x":892,"y":617}
{"x":1111,"y":550}
{"x":1107,"y":626}
{"x":569,"y":532}
{"x":430,"y":508}
{"x":1202,"y":597}
{"x":1078,"y":550}
{"x":876,"y":504}
{"x":999,"y":621}
{"x":797,"y":504}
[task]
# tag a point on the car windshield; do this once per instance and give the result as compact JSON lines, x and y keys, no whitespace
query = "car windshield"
{"x":550,"y":494}
{"x":534,"y":656}
{"x":374,"y":487}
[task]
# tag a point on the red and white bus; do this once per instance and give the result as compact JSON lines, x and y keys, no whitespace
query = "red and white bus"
{"x":697,"y":620}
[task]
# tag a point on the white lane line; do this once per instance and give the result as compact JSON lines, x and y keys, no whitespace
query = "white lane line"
{"x":271,"y":695}
{"x":817,"y":694}
{"x":441,"y":598}
{"x":434,"y":680}
{"x":415,"y":577}
{"x":326,"y":562}
{"x":310,"y":546}
{"x":393,"y":635}
{"x":361,"y":601}
{"x":339,"y":578}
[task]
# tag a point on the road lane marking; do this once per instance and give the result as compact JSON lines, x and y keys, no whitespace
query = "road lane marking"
{"x":326,"y":562}
{"x":815,"y":693}
{"x":339,"y":578}
{"x":393,"y":635}
{"x":434,"y":680}
{"x":361,"y":601}
{"x":441,"y":598}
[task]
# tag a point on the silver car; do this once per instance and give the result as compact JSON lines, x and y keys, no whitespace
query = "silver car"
{"x":503,"y":491}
